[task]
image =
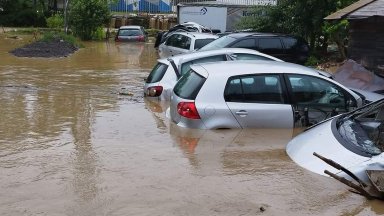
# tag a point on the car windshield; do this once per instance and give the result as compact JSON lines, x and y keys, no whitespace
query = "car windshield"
{"x":157,"y":73}
{"x":218,"y":43}
{"x":129,"y":32}
{"x":363,"y":129}
{"x":202,"y":42}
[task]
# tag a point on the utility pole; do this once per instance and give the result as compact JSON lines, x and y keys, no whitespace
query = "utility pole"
{"x":66,"y":16}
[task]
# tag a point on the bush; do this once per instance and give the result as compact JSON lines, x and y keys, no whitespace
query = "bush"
{"x":312,"y":61}
{"x":51,"y":36}
{"x":55,"y":21}
{"x":99,"y":34}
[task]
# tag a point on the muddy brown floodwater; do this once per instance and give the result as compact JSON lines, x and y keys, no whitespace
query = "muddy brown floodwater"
{"x":71,"y":145}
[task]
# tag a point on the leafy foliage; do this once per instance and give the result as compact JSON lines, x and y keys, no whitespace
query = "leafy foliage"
{"x":20,"y":13}
{"x":52,"y":36}
{"x":297,"y":17}
{"x":55,"y":21}
{"x":86,"y":16}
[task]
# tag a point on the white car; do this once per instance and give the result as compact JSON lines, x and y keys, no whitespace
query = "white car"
{"x":184,"y":42}
{"x":354,"y":140}
{"x":166,"y":72}
{"x":257,"y":94}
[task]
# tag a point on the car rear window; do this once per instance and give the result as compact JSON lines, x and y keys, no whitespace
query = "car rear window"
{"x":202,"y":42}
{"x":189,"y":85}
{"x":157,"y":73}
{"x":130,"y":32}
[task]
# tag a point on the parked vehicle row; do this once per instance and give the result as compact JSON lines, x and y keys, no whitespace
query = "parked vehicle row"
{"x":167,"y":71}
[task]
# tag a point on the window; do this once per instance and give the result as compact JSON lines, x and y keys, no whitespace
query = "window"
{"x":185,"y":67}
{"x":270,"y":44}
{"x":202,"y":42}
{"x":184,"y":42}
{"x":189,"y":85}
{"x":157,"y":73}
{"x":219,"y":43}
{"x":246,"y":43}
{"x":130,"y":32}
{"x":315,"y":91}
{"x":254,"y":89}
{"x":245,"y":56}
{"x":289,"y":43}
{"x":172,"y":40}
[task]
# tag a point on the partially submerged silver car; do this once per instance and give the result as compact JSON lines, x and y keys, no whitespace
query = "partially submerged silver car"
{"x":354,"y":140}
{"x":257,"y":94}
{"x":167,"y":71}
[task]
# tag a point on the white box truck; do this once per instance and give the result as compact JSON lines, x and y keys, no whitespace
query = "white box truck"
{"x":217,"y":15}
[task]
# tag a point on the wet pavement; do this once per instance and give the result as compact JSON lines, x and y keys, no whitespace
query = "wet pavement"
{"x":70,"y":144}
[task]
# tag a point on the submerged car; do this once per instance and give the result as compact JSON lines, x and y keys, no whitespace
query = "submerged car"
{"x":354,"y":140}
{"x":167,"y":71}
{"x":131,"y":33}
{"x":262,"y":94}
{"x":184,"y":42}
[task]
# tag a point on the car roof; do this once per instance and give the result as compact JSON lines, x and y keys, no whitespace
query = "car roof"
{"x":233,"y":68}
{"x":131,"y":27}
{"x":201,"y":54}
{"x":256,"y":34}
{"x":198,"y":35}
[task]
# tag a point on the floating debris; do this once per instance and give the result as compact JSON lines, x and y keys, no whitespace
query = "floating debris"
{"x":371,"y":190}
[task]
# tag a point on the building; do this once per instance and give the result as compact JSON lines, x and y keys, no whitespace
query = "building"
{"x":366,"y":33}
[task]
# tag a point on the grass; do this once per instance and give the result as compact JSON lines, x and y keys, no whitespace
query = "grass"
{"x":51,"y":36}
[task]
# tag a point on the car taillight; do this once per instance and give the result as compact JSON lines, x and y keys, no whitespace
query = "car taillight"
{"x":154,"y":91}
{"x":117,"y":39}
{"x":188,"y":110}
{"x":140,"y":38}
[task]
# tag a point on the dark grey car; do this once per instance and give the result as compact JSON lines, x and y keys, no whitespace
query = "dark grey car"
{"x":131,"y":34}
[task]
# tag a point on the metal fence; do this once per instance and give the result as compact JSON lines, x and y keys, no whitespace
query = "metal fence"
{"x":169,"y":6}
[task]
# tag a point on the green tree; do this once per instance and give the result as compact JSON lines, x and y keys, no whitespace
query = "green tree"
{"x":87,"y":16}
{"x":298,"y":17}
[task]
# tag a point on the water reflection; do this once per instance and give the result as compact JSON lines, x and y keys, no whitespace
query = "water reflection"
{"x":247,"y":151}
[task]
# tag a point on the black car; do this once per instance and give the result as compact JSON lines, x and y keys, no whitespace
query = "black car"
{"x":285,"y":47}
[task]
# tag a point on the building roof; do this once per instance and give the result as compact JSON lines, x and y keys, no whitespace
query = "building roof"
{"x":360,"y":9}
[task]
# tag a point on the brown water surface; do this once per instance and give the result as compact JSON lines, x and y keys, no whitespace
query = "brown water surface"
{"x":71,"y":145}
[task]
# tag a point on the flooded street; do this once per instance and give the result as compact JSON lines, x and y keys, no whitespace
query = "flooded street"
{"x":71,"y":145}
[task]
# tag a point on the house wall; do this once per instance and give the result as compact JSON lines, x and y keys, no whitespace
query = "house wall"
{"x":366,"y":43}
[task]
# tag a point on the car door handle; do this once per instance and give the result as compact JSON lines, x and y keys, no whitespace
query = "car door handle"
{"x":242,"y":113}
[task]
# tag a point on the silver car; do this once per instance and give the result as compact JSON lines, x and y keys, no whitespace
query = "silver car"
{"x":354,"y":140}
{"x":166,"y":72}
{"x":184,"y":42}
{"x":262,"y":94}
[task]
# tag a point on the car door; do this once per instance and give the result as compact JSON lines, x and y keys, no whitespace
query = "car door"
{"x":315,"y":99}
{"x":258,"y":100}
{"x":182,"y":45}
{"x":272,"y":46}
{"x":165,"y":48}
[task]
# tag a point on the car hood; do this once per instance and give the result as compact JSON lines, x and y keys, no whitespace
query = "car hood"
{"x":321,"y":139}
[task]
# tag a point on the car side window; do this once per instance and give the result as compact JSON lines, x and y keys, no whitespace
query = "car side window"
{"x":289,"y":43}
{"x":270,"y":45}
{"x":171,"y":41}
{"x":184,"y":42}
{"x":186,"y":66}
{"x":308,"y":90}
{"x":245,"y":56}
{"x":249,"y":43}
{"x":264,"y":88}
